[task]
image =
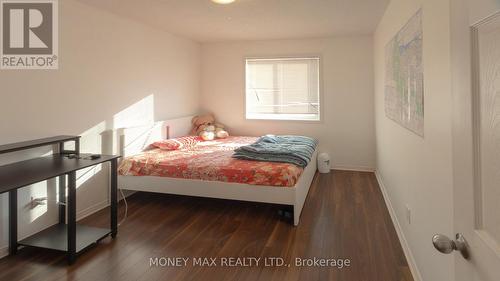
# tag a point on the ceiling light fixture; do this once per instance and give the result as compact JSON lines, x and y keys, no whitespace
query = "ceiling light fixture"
{"x":223,"y":1}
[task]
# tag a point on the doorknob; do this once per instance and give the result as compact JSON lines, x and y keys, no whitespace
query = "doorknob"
{"x":445,"y":245}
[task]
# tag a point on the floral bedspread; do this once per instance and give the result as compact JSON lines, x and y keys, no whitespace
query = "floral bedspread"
{"x":211,"y":160}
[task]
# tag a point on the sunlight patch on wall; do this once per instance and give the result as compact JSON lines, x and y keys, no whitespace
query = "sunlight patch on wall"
{"x":140,"y":113}
{"x":99,"y":140}
{"x":138,"y":119}
{"x":91,"y":141}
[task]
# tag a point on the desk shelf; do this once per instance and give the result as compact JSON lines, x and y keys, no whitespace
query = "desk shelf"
{"x":69,"y":237}
{"x":19,"y":174}
{"x":11,"y":147}
{"x":54,"y":237}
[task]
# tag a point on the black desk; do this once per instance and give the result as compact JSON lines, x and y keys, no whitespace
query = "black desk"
{"x":70,"y":238}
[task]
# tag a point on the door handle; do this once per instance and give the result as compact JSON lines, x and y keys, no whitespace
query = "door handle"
{"x":445,"y":245}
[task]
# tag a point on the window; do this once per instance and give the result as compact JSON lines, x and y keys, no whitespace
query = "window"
{"x":283,"y":89}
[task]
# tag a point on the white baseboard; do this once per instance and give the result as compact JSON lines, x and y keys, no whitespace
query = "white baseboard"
{"x":404,"y":243}
{"x":91,"y":210}
{"x":353,"y":168}
{"x":101,"y":205}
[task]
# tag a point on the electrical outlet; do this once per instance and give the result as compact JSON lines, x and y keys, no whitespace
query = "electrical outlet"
{"x":408,"y":214}
{"x":33,"y":203}
{"x":37,"y":201}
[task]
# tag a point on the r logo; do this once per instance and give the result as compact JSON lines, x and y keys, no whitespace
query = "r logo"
{"x":27,"y":28}
{"x":29,"y":34}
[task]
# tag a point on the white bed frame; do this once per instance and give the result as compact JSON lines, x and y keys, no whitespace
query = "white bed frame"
{"x":134,"y":140}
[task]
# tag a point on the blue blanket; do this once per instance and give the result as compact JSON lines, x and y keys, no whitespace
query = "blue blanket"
{"x":296,"y":150}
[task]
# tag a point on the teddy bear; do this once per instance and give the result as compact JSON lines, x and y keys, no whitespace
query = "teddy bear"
{"x":206,"y":127}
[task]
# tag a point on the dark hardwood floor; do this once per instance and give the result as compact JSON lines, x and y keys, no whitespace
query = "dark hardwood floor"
{"x":344,"y":218}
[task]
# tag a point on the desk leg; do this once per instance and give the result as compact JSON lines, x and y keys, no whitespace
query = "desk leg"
{"x":114,"y":198}
{"x":13,"y":222}
{"x":62,"y":199}
{"x":71,"y":204}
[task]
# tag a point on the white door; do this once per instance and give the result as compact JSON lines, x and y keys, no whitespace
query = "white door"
{"x":475,"y":57}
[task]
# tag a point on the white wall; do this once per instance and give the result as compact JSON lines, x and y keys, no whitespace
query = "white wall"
{"x":418,"y":171}
{"x":347,"y":128}
{"x":113,"y":72}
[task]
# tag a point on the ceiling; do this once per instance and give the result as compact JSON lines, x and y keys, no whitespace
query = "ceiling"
{"x":205,"y":21}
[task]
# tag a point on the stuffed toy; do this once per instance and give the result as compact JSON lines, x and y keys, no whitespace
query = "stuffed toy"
{"x":206,"y":127}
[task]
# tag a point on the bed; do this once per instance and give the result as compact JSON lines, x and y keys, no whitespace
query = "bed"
{"x":208,"y":170}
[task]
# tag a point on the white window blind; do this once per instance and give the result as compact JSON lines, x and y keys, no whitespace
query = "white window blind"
{"x":283,"y":89}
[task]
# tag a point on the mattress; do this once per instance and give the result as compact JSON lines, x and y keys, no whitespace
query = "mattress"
{"x":211,"y":161}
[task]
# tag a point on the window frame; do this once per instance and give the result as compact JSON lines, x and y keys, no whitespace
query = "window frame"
{"x":276,"y":117}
